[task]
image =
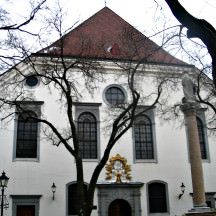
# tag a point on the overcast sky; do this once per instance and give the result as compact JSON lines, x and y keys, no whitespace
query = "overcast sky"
{"x":140,"y":13}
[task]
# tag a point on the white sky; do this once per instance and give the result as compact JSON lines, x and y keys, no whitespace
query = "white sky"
{"x":140,"y":13}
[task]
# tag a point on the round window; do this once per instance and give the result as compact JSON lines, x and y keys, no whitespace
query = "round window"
{"x":32,"y":80}
{"x":115,"y":96}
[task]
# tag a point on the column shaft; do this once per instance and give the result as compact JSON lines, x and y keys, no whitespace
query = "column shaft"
{"x":195,"y":160}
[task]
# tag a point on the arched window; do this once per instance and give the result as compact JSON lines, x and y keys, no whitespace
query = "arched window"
{"x":27,"y":129}
{"x":201,"y":138}
{"x":87,"y":130}
{"x":157,"y":197}
{"x":143,"y":138}
{"x":72,"y":201}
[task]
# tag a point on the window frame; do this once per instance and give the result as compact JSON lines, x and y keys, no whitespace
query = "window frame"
{"x":92,"y":141}
{"x":201,"y":116}
{"x":202,"y":142}
{"x":141,"y":129}
{"x":30,"y":85}
{"x":92,"y":108}
{"x":150,"y":115}
{"x":23,"y":128}
{"x":35,"y":107}
{"x":167,"y":197}
{"x":114,"y":86}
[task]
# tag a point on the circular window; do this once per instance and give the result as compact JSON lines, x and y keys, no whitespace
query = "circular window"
{"x":32,"y":80}
{"x":115,"y":95}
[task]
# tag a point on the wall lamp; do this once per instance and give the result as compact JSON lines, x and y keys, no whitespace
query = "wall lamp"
{"x":53,"y":188}
{"x":182,"y":190}
{"x":3,"y":183}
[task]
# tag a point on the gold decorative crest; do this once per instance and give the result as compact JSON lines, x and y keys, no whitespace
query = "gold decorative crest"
{"x":118,"y":170}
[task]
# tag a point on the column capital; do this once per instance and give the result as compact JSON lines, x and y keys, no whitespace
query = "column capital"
{"x":190,"y":108}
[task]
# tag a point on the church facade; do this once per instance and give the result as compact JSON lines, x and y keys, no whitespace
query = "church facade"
{"x":148,"y":170}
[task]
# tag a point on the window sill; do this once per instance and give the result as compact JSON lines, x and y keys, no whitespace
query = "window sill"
{"x":146,"y":161}
{"x":206,"y":160}
{"x":90,"y":160}
{"x":158,"y":214}
{"x":26,"y":159}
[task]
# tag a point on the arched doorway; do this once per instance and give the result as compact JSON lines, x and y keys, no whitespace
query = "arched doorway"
{"x":119,"y":207}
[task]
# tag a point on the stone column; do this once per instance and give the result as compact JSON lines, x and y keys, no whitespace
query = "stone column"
{"x":199,"y":201}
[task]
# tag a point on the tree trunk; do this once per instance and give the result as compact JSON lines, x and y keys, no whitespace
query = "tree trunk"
{"x":80,"y":183}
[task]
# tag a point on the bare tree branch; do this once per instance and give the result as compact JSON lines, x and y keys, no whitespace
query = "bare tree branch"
{"x":198,"y":28}
{"x":31,"y":17}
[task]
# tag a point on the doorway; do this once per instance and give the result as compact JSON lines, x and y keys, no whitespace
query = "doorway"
{"x":115,"y":195}
{"x":119,"y":207}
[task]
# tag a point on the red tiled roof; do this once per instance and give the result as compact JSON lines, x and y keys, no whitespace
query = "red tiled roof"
{"x":106,"y":35}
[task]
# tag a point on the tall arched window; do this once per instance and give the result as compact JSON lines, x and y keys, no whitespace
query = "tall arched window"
{"x":87,"y":130}
{"x":201,"y":138}
{"x":157,"y":197}
{"x":143,"y":138}
{"x":27,"y":129}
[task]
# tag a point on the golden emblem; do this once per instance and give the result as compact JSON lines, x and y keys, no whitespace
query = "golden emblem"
{"x":118,"y":170}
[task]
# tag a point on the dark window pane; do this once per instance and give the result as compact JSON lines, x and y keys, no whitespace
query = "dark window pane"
{"x":73,"y":199}
{"x":26,"y":136}
{"x":32,"y":80}
{"x":143,"y":138}
{"x":157,"y":198}
{"x":87,"y":130}
{"x":201,"y":138}
{"x":209,"y":204}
